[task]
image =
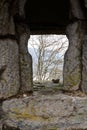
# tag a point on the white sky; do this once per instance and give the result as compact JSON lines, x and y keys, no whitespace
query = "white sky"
{"x":34,"y":40}
{"x":51,"y":37}
{"x":61,"y":38}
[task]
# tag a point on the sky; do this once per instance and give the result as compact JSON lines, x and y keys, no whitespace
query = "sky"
{"x":35,"y":42}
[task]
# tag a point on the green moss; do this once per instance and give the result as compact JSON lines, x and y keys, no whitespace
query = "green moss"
{"x":23,"y":63}
{"x":53,"y":128}
{"x":26,"y":115}
{"x":73,"y":80}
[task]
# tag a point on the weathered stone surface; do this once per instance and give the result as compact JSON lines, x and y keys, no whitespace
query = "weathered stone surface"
{"x":21,"y":8}
{"x":1,"y":115}
{"x":26,"y":67}
{"x":76,"y":9}
{"x":58,"y":112}
{"x":5,"y":127}
{"x":25,"y":59}
{"x":6,"y":20}
{"x":72,"y":61}
{"x":84,"y":66}
{"x":0,"y":125}
{"x":9,"y":68}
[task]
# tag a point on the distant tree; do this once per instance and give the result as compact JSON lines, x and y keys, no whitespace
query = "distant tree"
{"x":48,"y":52}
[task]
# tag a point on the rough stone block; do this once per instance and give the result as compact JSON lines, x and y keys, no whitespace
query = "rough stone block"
{"x":6,"y":21}
{"x":72,"y":61}
{"x":76,"y":9}
{"x":58,"y":112}
{"x":25,"y":59}
{"x":84,"y":66}
{"x":9,"y":68}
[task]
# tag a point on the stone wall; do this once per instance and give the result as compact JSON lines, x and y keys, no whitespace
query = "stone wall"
{"x":40,"y":112}
{"x":9,"y":68}
{"x":15,"y":62}
{"x":9,"y":55}
{"x":75,"y":57}
{"x":72,"y":64}
{"x":25,"y":63}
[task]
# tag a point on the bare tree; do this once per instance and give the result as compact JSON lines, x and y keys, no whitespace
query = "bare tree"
{"x":48,"y":51}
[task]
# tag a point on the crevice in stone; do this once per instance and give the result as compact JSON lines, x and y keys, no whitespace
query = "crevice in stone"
{"x":8,"y":36}
{"x":5,"y":127}
{"x":2,"y":69}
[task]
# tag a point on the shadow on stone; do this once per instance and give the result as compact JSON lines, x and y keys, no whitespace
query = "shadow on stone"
{"x":5,"y":127}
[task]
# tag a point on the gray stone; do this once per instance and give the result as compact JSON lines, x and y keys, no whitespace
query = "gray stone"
{"x":72,"y":61}
{"x":6,"y":20}
{"x":5,"y":127}
{"x":26,"y":67}
{"x":25,"y":59}
{"x":9,"y":68}
{"x":1,"y":116}
{"x":76,"y":10}
{"x":21,"y":8}
{"x":58,"y":112}
{"x":84,"y":66}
